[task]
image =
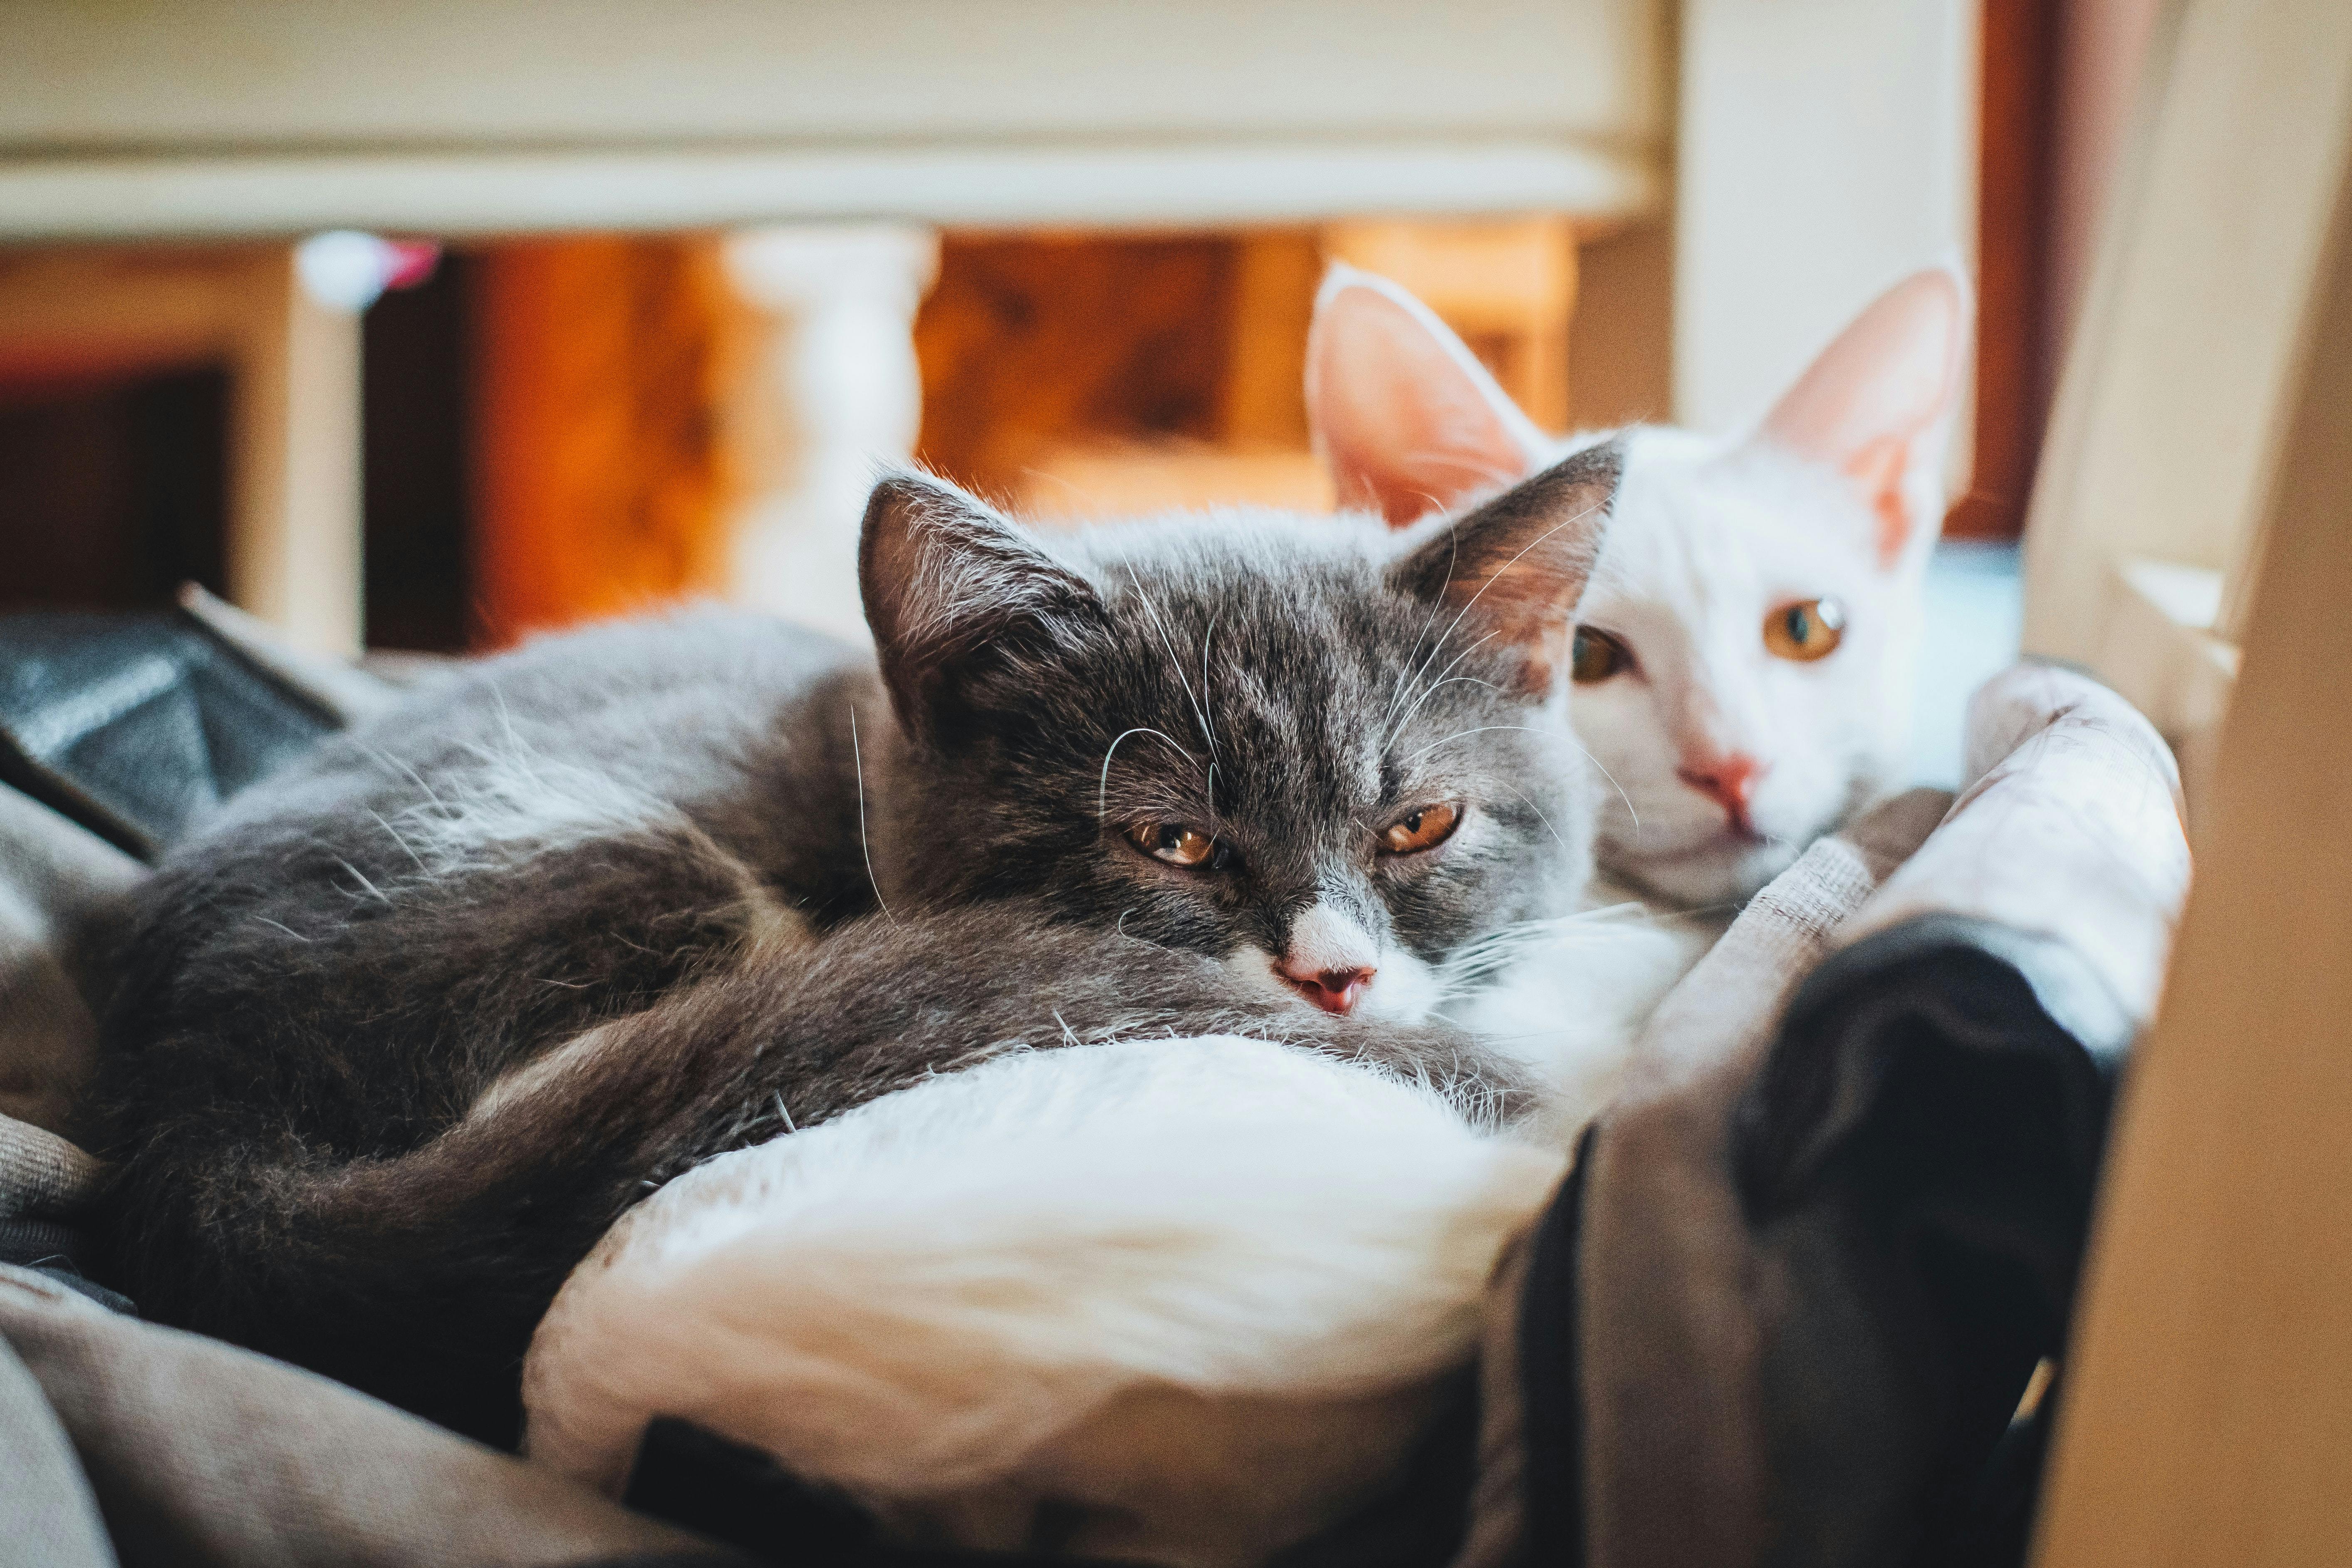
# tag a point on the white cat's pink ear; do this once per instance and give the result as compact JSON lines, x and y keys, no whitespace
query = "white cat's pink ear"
{"x":1405,"y":417}
{"x":1878,"y":404}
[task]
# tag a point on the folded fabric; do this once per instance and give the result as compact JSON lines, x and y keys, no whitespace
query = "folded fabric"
{"x":133,"y":1444}
{"x":56,"y":882}
{"x":1183,"y":1300}
{"x":1791,"y":1304}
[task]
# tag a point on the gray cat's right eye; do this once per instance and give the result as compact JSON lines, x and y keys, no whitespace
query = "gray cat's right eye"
{"x":1425,"y":828}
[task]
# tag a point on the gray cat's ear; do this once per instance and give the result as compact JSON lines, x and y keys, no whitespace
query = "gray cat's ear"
{"x":1516,"y":565}
{"x":956,"y":593}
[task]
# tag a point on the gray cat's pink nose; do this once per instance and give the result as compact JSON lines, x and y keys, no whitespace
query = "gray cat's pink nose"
{"x":1333,"y":990}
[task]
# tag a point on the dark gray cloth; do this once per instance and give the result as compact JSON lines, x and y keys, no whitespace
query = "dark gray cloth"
{"x":195,"y":1453}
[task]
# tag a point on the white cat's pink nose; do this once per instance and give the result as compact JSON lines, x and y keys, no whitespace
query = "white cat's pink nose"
{"x":1729,"y":780}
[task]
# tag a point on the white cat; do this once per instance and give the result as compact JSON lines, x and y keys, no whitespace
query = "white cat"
{"x":1745,"y":653}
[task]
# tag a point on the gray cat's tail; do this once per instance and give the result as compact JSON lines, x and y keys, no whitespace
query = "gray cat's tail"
{"x":419,"y":1275}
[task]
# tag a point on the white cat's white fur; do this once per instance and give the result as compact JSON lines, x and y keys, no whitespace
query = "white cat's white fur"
{"x":1198,"y":1294}
{"x":1836,"y":493}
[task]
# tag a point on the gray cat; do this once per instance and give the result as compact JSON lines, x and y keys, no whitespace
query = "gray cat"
{"x":408,"y":1027}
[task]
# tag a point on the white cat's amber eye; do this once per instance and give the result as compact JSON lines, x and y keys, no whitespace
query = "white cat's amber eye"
{"x":1806,"y":631}
{"x":1174,"y":842}
{"x":1424,"y":828}
{"x":1596,"y":656}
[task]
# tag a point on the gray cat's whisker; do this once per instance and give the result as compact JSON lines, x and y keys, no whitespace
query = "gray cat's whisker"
{"x":1205,"y":641}
{"x":1628,"y":799}
{"x":1413,"y":655}
{"x":857,"y":765}
{"x":1483,"y":728}
{"x":1531,"y":805}
{"x":1497,"y":576}
{"x":1398,"y":728}
{"x":1102,"y":784}
{"x":405,"y":847}
{"x":1169,"y":643}
{"x":360,"y":878}
{"x":412,"y":775}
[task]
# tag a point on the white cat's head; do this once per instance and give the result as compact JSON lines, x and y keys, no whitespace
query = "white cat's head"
{"x":1746,"y":649}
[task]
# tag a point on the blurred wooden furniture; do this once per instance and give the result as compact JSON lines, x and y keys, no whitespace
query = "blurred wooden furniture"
{"x":449,"y":117}
{"x":601,"y":366}
{"x":2165,"y":446}
{"x":1508,"y":287}
{"x":293,"y":516}
{"x":1235,"y":428}
{"x":246,"y":118}
{"x":2207,"y":1413}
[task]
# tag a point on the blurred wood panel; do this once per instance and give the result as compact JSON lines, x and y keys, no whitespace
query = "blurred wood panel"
{"x":1031,"y":343}
{"x":2165,"y":439}
{"x":602,"y":480}
{"x":1095,"y":375}
{"x":2208,"y":1416}
{"x":291,"y":546}
{"x":1507,"y":286}
{"x":1276,"y":272}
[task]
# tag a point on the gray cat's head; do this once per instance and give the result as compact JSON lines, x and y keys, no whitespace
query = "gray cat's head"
{"x":1331,"y":754}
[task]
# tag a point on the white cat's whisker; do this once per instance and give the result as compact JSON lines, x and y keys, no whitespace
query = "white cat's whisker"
{"x":385,"y":759}
{"x":1478,"y":474}
{"x":1205,"y":641}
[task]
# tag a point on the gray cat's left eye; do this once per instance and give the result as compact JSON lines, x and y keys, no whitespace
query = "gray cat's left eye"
{"x":1176,"y":844}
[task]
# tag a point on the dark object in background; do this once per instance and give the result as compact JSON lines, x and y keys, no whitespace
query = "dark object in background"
{"x":115,"y":493}
{"x":416,"y":421}
{"x":135,"y":726}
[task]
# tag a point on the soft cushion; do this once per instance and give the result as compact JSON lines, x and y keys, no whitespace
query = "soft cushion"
{"x":1184,"y":1300}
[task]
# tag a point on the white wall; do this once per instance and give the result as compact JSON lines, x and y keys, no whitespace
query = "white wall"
{"x":1828,"y":147}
